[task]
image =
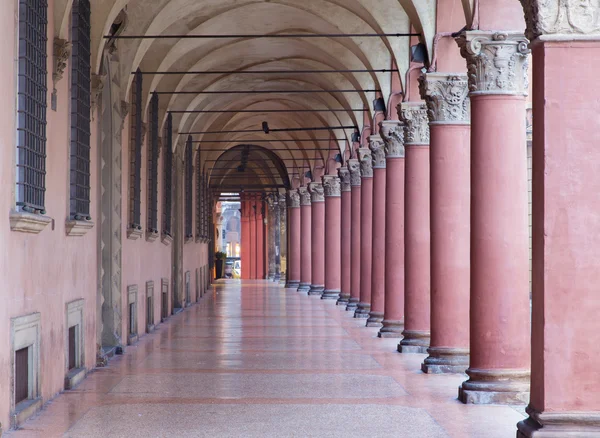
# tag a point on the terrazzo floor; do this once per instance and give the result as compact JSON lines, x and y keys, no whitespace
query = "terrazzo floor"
{"x":255,"y":360}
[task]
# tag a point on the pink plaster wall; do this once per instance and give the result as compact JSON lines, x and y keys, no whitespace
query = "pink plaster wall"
{"x":500,"y":15}
{"x":450,"y":18}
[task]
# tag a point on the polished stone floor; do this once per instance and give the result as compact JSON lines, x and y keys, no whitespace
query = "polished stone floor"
{"x":256,"y":360}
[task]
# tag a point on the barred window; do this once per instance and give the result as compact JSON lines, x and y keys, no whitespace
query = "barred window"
{"x":168,"y":178}
{"x":189,"y":181}
{"x":205,"y":208}
{"x":153,"y":167}
{"x":199,"y":198}
{"x":135,"y":159}
{"x":80,"y":112}
{"x":31,"y":106}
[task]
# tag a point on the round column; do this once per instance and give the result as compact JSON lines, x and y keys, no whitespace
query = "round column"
{"x":260,"y":239}
{"x":317,"y":252}
{"x":271,"y":206}
{"x":354,"y":169}
{"x":378,"y":256}
{"x":305,"y":240}
{"x":447,"y":99}
{"x":276,"y":225}
{"x":253,"y":242}
{"x":366,"y":232}
{"x":416,"y":231}
{"x":283,"y":240}
{"x":392,"y":133}
{"x":346,"y":235}
{"x":500,"y":309}
{"x":333,"y":237}
{"x":293,"y":273}
{"x":245,"y":238}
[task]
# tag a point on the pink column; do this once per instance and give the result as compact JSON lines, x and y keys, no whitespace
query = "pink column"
{"x":305,"y":240}
{"x":293,"y":249}
{"x":499,"y":312}
{"x":253,"y":242}
{"x":333,"y":237}
{"x":260,"y":240}
{"x":317,"y":252}
{"x":346,"y":235}
{"x":416,"y":232}
{"x":566,"y":237}
{"x":245,"y":239}
{"x":447,"y":99}
{"x":378,"y":232}
{"x":354,"y":168}
{"x":366,"y":232}
{"x":392,"y":133}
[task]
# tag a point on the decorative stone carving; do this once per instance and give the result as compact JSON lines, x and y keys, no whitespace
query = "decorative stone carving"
{"x":293,"y":198}
{"x":144,"y":129}
{"x":392,"y":132}
{"x":447,"y":97}
{"x":354,"y":169}
{"x":317,"y":193}
{"x":497,"y":62}
{"x":377,"y":147}
{"x":124,"y":112}
{"x":62,"y":53}
{"x":416,"y":122}
{"x":344,"y":175}
{"x":332,"y":186}
{"x":366,"y":162}
{"x":25,"y":222}
{"x":282,"y":200}
{"x":562,"y":19}
{"x":97,"y":87}
{"x":304,"y":196}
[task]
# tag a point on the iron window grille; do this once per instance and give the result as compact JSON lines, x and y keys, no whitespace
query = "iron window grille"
{"x":31,"y":106}
{"x":80,"y":112}
{"x":189,"y":181}
{"x":153,"y":167}
{"x":168,"y":179}
{"x":207,"y":215}
{"x":136,"y":153}
{"x":199,"y":199}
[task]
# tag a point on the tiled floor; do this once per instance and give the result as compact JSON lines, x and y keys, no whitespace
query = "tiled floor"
{"x":256,"y":360}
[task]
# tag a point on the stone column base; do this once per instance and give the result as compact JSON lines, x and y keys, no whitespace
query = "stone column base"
{"x":304,"y":287}
{"x":391,"y":329}
{"x":414,"y":342}
{"x":559,"y":424}
{"x":343,"y":300}
{"x":316,"y":289}
{"x":330,"y":294}
{"x":499,"y":386}
{"x":443,"y":360}
{"x":352,"y":304}
{"x":375,"y":319}
{"x":292,"y":284}
{"x":362,"y":310}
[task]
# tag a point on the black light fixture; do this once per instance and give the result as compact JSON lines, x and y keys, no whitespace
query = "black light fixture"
{"x":356,"y":137}
{"x":309,"y":175}
{"x":265,"y":126}
{"x":418,"y":53}
{"x":379,"y":105}
{"x":338,"y":158}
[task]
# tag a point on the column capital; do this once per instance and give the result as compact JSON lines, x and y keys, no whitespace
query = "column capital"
{"x":497,"y":62}
{"x":282,"y":199}
{"x":332,"y":186}
{"x":366,"y":163}
{"x":344,"y":175}
{"x":377,"y":147}
{"x":392,"y":132}
{"x":447,"y":98}
{"x":316,"y":192}
{"x":416,"y":122}
{"x":293,"y":198}
{"x":354,"y":169}
{"x":304,"y":196}
{"x":562,"y":20}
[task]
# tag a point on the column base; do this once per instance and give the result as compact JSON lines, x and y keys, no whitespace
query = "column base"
{"x":330,"y":294}
{"x":414,"y":341}
{"x":292,"y":284}
{"x":559,"y":425}
{"x":375,"y":319}
{"x":343,"y":300}
{"x":282,"y":279}
{"x":304,"y":287}
{"x":498,"y":386}
{"x":352,"y":304}
{"x":445,"y":360}
{"x":391,"y":329}
{"x":316,"y":289}
{"x":362,"y":310}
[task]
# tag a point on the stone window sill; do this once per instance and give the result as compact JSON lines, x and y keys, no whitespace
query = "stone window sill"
{"x":31,"y":223}
{"x":132,"y":339}
{"x":166,"y":239}
{"x":25,"y":410}
{"x":189,"y":239}
{"x":134,"y":233}
{"x":77,"y":228}
{"x":151,"y":236}
{"x":74,"y":378}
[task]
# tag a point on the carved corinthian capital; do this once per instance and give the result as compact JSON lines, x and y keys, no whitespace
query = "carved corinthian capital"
{"x":366,"y":162}
{"x":497,"y":62}
{"x":354,"y":169}
{"x":377,"y":147}
{"x":332,"y":186}
{"x":97,"y":87}
{"x":344,"y":175}
{"x":562,"y":19}
{"x":62,"y":53}
{"x":304,"y":196}
{"x":392,"y":132}
{"x":416,"y":122}
{"x":293,"y":198}
{"x":316,"y":192}
{"x":447,"y":97}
